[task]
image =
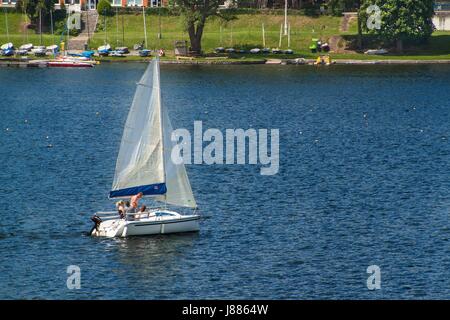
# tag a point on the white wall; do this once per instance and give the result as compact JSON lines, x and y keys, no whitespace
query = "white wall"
{"x":441,"y":21}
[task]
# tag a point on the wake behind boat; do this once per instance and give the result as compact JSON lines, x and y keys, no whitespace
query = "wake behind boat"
{"x":144,"y":166}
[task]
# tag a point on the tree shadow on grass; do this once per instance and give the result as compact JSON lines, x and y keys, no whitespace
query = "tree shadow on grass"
{"x":436,"y":45}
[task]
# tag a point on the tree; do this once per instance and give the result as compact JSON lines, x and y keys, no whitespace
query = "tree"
{"x":359,"y":24}
{"x":401,"y":20}
{"x":195,"y":13}
{"x":104,"y":8}
{"x":32,"y":8}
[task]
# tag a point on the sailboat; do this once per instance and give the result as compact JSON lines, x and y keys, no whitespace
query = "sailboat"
{"x":106,"y":47}
{"x":144,"y":164}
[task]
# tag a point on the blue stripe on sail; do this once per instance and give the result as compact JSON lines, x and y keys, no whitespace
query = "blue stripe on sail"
{"x":150,"y":189}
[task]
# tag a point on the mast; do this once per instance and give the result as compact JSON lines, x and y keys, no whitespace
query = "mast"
{"x":231,"y":34}
{"x":117,"y":26}
{"x":281,"y":33}
{"x":6,"y":22}
{"x":159,"y":20}
{"x":123,"y":32}
{"x":161,"y":124}
{"x":289,"y":36}
{"x":40,"y":27}
{"x":145,"y":32}
{"x":26,"y":22}
{"x":264,"y":36}
{"x":68,"y":32}
{"x":285,"y":18}
{"x":87,"y":26}
{"x":51,"y":24}
{"x":104,"y":15}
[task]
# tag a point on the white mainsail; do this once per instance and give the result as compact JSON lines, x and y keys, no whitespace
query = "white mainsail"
{"x":144,"y":163}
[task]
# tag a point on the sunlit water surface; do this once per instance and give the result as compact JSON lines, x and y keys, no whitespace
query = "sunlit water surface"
{"x":364,"y":179}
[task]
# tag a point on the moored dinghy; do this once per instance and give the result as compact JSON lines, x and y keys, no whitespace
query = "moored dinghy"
{"x":145,"y":52}
{"x":7,"y":49}
{"x":39,"y":51}
{"x":26,"y":46}
{"x":7,"y":46}
{"x":144,"y":164}
{"x":104,"y":50}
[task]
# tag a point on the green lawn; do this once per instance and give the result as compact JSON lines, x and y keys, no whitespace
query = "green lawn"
{"x":19,"y":35}
{"x":244,"y":32}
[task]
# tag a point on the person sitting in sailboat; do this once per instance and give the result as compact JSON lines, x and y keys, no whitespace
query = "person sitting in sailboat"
{"x":135,"y":201}
{"x":140,"y":212}
{"x":127,"y":206}
{"x":120,"y":205}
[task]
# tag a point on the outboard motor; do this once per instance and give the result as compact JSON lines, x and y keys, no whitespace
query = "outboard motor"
{"x":96,"y":219}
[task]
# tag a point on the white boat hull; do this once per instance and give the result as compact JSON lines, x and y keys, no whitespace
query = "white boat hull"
{"x":154,"y":222}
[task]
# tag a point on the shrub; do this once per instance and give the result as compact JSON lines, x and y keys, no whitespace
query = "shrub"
{"x":104,"y":8}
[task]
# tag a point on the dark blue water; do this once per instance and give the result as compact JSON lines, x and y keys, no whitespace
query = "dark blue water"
{"x":364,"y":179}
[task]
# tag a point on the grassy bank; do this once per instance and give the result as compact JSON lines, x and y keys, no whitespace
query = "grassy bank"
{"x":19,"y":35}
{"x":244,"y":32}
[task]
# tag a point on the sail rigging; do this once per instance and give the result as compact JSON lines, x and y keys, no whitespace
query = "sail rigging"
{"x":144,"y":162}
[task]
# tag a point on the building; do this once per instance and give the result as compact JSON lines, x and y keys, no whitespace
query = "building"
{"x":441,"y":19}
{"x":78,"y":5}
{"x":8,"y":3}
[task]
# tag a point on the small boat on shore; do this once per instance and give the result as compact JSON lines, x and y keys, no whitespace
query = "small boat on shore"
{"x":277,"y":51}
{"x":21,"y":52}
{"x":39,"y":51}
{"x":144,"y":52}
{"x":297,"y":61}
{"x":85,"y":55}
{"x":144,"y":165}
{"x":376,"y":51}
{"x":138,"y":46}
{"x":115,"y":53}
{"x":27,"y":47}
{"x":123,"y":50}
{"x":71,"y":62}
{"x":7,"y":46}
{"x":7,"y":49}
{"x":104,"y":50}
{"x":7,"y":52}
{"x":52,"y":49}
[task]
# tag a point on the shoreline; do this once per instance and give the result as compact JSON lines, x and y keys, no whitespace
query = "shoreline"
{"x":21,"y":63}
